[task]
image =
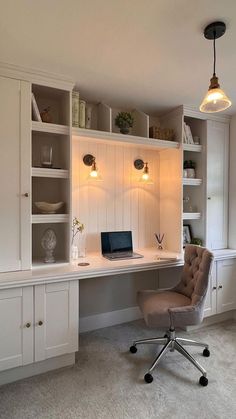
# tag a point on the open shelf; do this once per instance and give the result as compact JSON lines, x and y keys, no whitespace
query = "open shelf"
{"x":192,"y":147}
{"x":50,"y":128}
{"x":123,"y":139}
{"x":49,"y":218}
{"x":192,"y":182}
{"x":191,"y":215}
{"x":55,"y":173}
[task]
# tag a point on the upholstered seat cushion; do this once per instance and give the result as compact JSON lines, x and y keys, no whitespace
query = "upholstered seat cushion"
{"x":156,"y":305}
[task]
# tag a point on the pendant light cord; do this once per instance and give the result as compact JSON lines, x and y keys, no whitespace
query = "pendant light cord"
{"x":214,"y":46}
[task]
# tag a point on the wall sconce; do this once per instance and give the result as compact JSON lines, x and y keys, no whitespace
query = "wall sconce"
{"x":90,"y":160}
{"x":145,"y":177}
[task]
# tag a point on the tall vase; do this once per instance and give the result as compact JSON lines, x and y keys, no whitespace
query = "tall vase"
{"x":81,"y":243}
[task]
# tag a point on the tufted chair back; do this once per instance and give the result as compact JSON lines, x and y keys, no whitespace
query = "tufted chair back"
{"x":195,"y":275}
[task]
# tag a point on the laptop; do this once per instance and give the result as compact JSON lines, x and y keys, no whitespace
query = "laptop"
{"x":118,"y":245}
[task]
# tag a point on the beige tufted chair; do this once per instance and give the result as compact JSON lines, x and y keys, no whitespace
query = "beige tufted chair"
{"x":178,"y":307}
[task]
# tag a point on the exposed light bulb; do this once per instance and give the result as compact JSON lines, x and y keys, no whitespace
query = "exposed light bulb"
{"x":145,"y":176}
{"x":94,"y":173}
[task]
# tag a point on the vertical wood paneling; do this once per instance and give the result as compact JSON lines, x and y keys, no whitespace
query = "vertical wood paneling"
{"x":120,"y":201}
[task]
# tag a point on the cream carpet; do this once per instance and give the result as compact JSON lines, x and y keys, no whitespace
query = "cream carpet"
{"x":107,"y":381}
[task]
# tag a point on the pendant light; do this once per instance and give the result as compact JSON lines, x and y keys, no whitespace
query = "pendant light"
{"x":215,"y":100}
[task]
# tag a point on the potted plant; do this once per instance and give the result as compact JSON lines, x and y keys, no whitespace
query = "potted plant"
{"x":189,"y":168}
{"x":124,"y":121}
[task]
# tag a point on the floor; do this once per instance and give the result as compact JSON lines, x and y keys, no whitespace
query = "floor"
{"x":107,"y":381}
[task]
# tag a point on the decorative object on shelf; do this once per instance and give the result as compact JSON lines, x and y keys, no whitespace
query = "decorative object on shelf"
{"x":46,"y":115}
{"x":88,"y":116}
{"x":48,"y":243}
{"x":145,"y":178}
{"x":187,"y":235}
{"x":197,"y":241}
{"x":159,"y":239}
{"x":189,"y":169}
{"x":79,"y":234}
{"x":48,"y":208}
{"x":82,"y":107}
{"x":35,"y":110}
{"x":158,"y":133}
{"x":90,"y":160}
{"x":215,"y":100}
{"x":187,"y":204}
{"x":196,"y":140}
{"x":124,"y":121}
{"x":187,"y":135}
{"x":46,"y":156}
{"x":75,"y":108}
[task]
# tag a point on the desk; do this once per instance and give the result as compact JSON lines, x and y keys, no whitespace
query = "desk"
{"x":98,"y":267}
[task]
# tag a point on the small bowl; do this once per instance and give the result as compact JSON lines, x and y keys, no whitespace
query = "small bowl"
{"x":48,"y":208}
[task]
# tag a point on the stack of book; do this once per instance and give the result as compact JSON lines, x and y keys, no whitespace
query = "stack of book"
{"x":78,"y":110}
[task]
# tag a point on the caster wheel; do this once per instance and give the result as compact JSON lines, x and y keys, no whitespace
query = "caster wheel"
{"x":203,"y":381}
{"x":133,"y":349}
{"x":148,"y":378}
{"x":165,"y":336}
{"x":206,"y":352}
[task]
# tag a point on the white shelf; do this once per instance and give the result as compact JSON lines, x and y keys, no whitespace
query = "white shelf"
{"x":52,"y":173}
{"x":144,"y":142}
{"x":192,"y":147}
{"x":191,"y":182}
{"x":191,"y":215}
{"x":49,"y":218}
{"x":50,"y":128}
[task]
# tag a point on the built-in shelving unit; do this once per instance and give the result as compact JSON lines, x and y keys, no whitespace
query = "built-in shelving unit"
{"x":192,"y":182}
{"x":49,"y":218}
{"x":191,"y":215}
{"x":51,"y":184}
{"x":123,"y":139}
{"x":54,"y":173}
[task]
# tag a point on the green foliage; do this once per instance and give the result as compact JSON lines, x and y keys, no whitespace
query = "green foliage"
{"x":197,"y":241}
{"x":189,"y":164}
{"x":124,"y":119}
{"x":77,"y":227}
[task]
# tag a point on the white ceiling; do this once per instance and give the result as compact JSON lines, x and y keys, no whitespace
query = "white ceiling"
{"x":150,"y":54}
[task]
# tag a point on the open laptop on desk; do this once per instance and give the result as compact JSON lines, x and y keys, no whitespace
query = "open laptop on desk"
{"x":117,"y":245}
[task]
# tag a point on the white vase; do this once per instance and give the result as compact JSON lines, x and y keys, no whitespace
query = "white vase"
{"x":191,"y":173}
{"x":81,"y":244}
{"x":74,"y":252}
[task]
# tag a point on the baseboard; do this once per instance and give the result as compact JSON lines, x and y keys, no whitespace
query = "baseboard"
{"x":19,"y":373}
{"x":98,"y":321}
{"x":216,"y":318}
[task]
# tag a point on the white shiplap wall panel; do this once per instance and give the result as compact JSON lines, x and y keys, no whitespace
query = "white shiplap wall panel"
{"x":119,"y":202}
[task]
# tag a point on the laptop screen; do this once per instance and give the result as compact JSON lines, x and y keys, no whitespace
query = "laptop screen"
{"x":116,"y":241}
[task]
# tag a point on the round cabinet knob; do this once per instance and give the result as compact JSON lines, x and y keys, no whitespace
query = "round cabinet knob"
{"x":220,"y":286}
{"x":28,"y":325}
{"x":214,"y":288}
{"x":26,"y":195}
{"x":209,"y":198}
{"x":40,"y":323}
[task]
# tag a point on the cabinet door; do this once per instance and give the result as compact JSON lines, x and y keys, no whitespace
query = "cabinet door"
{"x":210,"y":302}
{"x":226,"y":285}
{"x":16,"y":327}
{"x":217,"y":184}
{"x":14,"y":175}
{"x":56,"y":319}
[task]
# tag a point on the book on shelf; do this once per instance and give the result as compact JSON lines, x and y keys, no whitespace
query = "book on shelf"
{"x":35,"y":109}
{"x":188,"y":138}
{"x":75,"y":108}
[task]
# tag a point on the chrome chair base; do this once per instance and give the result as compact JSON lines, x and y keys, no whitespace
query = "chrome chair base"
{"x":171,"y":343}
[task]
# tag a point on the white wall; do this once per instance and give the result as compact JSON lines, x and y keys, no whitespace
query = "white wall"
{"x":232,"y":184}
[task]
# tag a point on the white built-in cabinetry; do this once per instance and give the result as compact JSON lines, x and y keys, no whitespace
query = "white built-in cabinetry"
{"x":38,"y":322}
{"x":15,"y":105}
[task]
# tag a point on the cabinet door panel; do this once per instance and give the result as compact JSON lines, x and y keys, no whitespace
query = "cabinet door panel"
{"x":217,"y":184}
{"x":16,"y":340}
{"x":56,"y":306}
{"x":210,"y":302}
{"x":226,"y":285}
